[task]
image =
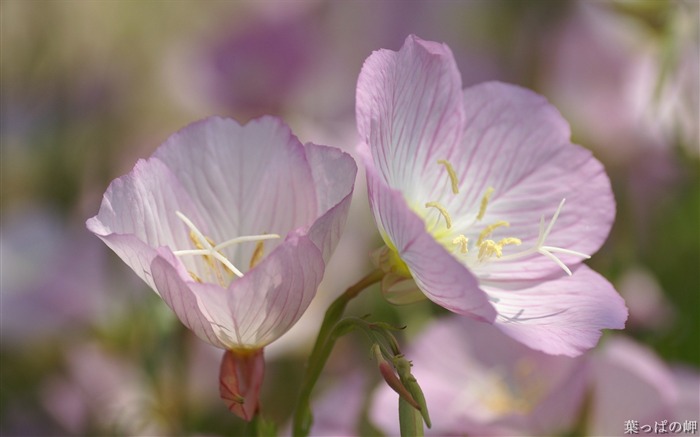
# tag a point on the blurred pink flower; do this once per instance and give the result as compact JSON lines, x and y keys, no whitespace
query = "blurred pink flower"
{"x":101,"y":391}
{"x":449,"y":170}
{"x":478,"y":381}
{"x":648,"y":306}
{"x":44,"y":293}
{"x":216,"y":199}
{"x":258,"y":69}
{"x":626,"y":90}
{"x":629,"y":382}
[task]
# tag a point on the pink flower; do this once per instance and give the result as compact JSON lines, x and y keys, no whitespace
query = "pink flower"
{"x":630,"y":382}
{"x":483,"y":201}
{"x":478,"y":381}
{"x":232,"y":226}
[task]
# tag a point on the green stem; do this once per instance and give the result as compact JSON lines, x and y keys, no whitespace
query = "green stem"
{"x":322,"y":350}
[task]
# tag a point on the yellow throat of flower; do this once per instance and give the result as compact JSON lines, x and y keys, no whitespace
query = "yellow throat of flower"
{"x":485,"y":249}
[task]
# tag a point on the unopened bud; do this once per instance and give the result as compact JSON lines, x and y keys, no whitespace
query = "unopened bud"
{"x":393,"y":381}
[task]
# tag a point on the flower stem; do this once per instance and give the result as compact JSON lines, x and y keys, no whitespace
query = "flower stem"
{"x":322,"y":350}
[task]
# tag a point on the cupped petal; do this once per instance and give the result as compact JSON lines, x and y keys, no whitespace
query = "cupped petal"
{"x":137,"y":215}
{"x":334,"y":174}
{"x":252,"y":179}
{"x":410,"y":103}
{"x":442,"y":278}
{"x":517,"y":143}
{"x":257,"y":308}
{"x":200,"y":308}
{"x":270,"y":298}
{"x":561,"y":316}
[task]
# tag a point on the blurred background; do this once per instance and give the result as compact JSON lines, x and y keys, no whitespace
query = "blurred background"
{"x":89,"y":87}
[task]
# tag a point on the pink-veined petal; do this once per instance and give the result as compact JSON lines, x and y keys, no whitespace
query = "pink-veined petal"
{"x":442,"y":278}
{"x":334,"y":174}
{"x":270,"y":298}
{"x":519,"y":144}
{"x":255,"y":309}
{"x":409,"y":102}
{"x":199,"y":308}
{"x":562,"y":316}
{"x":137,"y":215}
{"x":252,"y":179}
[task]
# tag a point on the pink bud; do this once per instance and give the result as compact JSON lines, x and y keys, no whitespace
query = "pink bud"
{"x":240,"y":379}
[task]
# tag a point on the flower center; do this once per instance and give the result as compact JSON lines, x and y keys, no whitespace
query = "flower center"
{"x":486,"y":249}
{"x":218,"y":266}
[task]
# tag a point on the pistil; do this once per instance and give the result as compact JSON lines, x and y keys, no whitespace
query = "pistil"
{"x":210,"y":251}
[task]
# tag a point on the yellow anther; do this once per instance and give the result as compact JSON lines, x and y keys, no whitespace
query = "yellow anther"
{"x":488,"y":230}
{"x":462,"y":242}
{"x":195,"y":277}
{"x":484,"y":203}
{"x":509,"y":240}
{"x":442,"y":211}
{"x":489,"y":248}
{"x":257,"y":254}
{"x":452,"y":174}
{"x":198,"y":244}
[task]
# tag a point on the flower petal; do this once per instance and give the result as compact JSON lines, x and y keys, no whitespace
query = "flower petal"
{"x":200,"y":307}
{"x":257,"y":179}
{"x":137,"y":215}
{"x":410,"y":101}
{"x":442,"y":278}
{"x":517,"y":143}
{"x":629,"y":380}
{"x":334,"y":174}
{"x":257,"y":308}
{"x":562,"y":316}
{"x":270,"y":298}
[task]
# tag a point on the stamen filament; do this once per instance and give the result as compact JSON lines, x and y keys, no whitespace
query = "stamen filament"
{"x":453,"y":175}
{"x":443,"y":211}
{"x":488,"y":230}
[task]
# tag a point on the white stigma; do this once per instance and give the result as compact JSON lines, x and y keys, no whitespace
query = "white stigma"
{"x":214,"y":251}
{"x":547,"y":251}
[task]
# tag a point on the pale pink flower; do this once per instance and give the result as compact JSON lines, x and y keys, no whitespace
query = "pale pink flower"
{"x":183,"y":220}
{"x":478,"y":381}
{"x":483,"y":201}
{"x":629,"y":382}
{"x":232,"y":226}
